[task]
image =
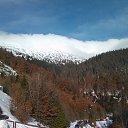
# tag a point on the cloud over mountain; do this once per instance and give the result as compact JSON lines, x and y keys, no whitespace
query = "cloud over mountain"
{"x":52,"y":42}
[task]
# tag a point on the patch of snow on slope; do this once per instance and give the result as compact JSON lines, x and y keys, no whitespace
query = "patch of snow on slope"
{"x":106,"y":123}
{"x":5,"y":104}
{"x":7,"y":70}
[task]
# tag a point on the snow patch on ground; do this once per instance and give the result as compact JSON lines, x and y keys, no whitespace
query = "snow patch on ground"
{"x":106,"y":123}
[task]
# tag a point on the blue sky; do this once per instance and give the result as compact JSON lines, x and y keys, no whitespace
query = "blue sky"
{"x":79,"y":19}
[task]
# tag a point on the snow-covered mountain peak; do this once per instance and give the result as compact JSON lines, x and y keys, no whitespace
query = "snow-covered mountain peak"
{"x":49,"y":54}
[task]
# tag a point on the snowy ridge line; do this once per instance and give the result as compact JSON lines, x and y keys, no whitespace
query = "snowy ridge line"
{"x":50,"y":56}
{"x":16,"y":122}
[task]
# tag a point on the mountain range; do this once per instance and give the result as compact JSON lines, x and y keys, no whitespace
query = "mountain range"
{"x":58,"y":87}
{"x":56,"y":48}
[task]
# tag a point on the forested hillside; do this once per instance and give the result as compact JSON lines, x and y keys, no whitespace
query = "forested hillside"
{"x":41,"y":94}
{"x":106,"y":74}
{"x":57,"y":94}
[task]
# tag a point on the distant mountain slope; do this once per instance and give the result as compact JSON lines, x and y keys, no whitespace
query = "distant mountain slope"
{"x":113,"y":62}
{"x":48,"y":55}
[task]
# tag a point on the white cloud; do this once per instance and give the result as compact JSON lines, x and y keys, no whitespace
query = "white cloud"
{"x":51,"y":42}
